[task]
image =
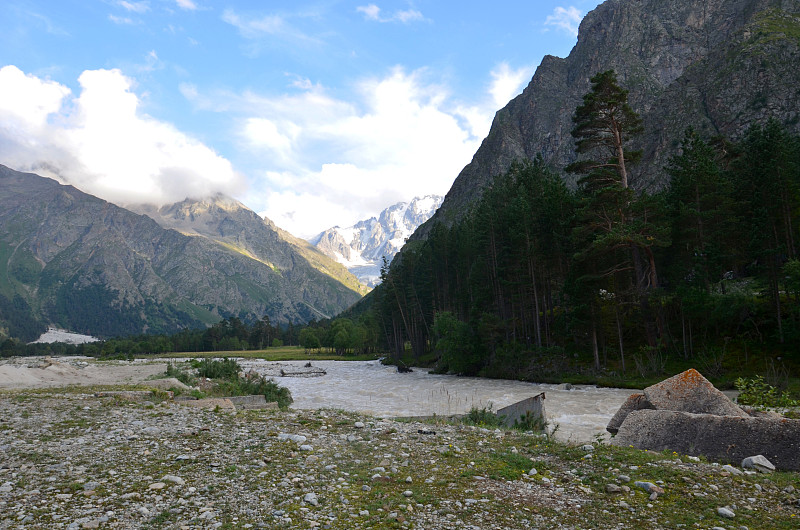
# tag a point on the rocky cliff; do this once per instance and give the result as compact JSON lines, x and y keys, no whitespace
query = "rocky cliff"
{"x":87,"y":265}
{"x":719,"y":65}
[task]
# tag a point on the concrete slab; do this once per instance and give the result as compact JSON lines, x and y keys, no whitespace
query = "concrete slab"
{"x":517,"y":411}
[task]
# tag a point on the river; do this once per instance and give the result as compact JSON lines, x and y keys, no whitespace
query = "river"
{"x":372,"y":388}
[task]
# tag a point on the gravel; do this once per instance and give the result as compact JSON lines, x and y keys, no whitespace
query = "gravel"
{"x":71,"y":460}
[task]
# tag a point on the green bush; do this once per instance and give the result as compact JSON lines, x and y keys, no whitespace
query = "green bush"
{"x":219,"y":369}
{"x":254,"y":385}
{"x":761,"y":395}
{"x":184,"y":377}
{"x":484,"y":417}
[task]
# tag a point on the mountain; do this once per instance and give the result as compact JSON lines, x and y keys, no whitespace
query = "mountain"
{"x":362,"y":247}
{"x":718,"y":65}
{"x":78,"y":262}
{"x":231,"y":224}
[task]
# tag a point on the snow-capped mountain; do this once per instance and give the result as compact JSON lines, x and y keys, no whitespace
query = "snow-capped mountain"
{"x":362,"y":247}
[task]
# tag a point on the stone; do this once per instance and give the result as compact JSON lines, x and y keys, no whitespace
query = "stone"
{"x":759,"y":462}
{"x":311,"y":498}
{"x":157,"y":486}
{"x":732,"y":470}
{"x":408,"y":493}
{"x":634,"y":402}
{"x":721,"y":438}
{"x":613,"y":488}
{"x":296,"y":438}
{"x":726,"y":512}
{"x":174,"y":479}
{"x":359,"y":425}
{"x":690,"y":392}
{"x":649,"y":487}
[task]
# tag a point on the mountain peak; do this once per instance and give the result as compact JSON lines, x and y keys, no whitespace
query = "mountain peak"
{"x":362,"y":247}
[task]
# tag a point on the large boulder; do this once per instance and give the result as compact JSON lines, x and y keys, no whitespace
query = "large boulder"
{"x":723,"y":438}
{"x":634,"y":402}
{"x":689,"y":391}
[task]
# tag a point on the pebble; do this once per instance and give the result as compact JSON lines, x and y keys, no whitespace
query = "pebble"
{"x":726,"y":512}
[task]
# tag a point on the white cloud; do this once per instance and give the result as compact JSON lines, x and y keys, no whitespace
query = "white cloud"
{"x":566,"y":19}
{"x":121,"y":20}
{"x":326,"y":161}
{"x":189,"y":5}
{"x":102,"y":143}
{"x":373,"y":12}
{"x":506,"y":82}
{"x":135,"y":7}
{"x":257,"y":28}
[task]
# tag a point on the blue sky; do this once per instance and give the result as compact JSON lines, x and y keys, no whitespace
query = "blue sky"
{"x":313,"y":113}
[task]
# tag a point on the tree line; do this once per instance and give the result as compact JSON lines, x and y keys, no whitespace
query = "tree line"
{"x":342,"y":336}
{"x":625,"y":279}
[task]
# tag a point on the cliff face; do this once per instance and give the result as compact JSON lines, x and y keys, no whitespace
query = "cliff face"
{"x":87,"y":265}
{"x":719,"y":65}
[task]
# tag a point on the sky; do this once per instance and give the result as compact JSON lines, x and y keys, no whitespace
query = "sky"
{"x":312,"y":113}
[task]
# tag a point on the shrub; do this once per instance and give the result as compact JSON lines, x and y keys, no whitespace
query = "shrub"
{"x":761,"y":395}
{"x":219,"y":369}
{"x":484,"y":417}
{"x":184,"y":377}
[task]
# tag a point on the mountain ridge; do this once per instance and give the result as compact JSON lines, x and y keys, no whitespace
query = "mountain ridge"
{"x":676,"y":59}
{"x":84,"y":264}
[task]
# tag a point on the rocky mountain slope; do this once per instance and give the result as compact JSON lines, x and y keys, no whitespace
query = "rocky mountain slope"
{"x":362,"y":247}
{"x":718,"y":65}
{"x":73,"y":260}
{"x":231,"y":224}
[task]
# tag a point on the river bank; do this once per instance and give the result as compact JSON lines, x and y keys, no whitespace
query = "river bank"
{"x":73,"y":460}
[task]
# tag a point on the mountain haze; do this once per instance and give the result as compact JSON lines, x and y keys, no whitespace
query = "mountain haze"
{"x":81,"y":263}
{"x":718,"y":65}
{"x":362,"y":247}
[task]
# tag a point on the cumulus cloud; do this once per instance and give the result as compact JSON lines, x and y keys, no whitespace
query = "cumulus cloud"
{"x":506,"y":83}
{"x":373,"y":12}
{"x":325,"y":160}
{"x":101,"y":142}
{"x":566,"y":19}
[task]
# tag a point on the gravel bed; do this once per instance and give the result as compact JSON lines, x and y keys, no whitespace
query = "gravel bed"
{"x":69,"y":459}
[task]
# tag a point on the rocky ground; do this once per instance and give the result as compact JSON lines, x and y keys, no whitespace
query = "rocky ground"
{"x":69,"y":459}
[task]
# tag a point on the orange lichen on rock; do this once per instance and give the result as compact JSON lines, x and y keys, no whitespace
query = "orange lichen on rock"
{"x":689,"y":391}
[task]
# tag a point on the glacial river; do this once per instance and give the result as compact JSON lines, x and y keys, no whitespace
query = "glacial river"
{"x":371,"y":388}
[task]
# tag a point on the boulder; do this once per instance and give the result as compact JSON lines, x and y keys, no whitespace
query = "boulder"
{"x":722,"y":438}
{"x":759,"y":462}
{"x":689,"y":391}
{"x":634,"y":402}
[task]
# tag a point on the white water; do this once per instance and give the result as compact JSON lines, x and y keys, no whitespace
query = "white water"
{"x":371,"y":388}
